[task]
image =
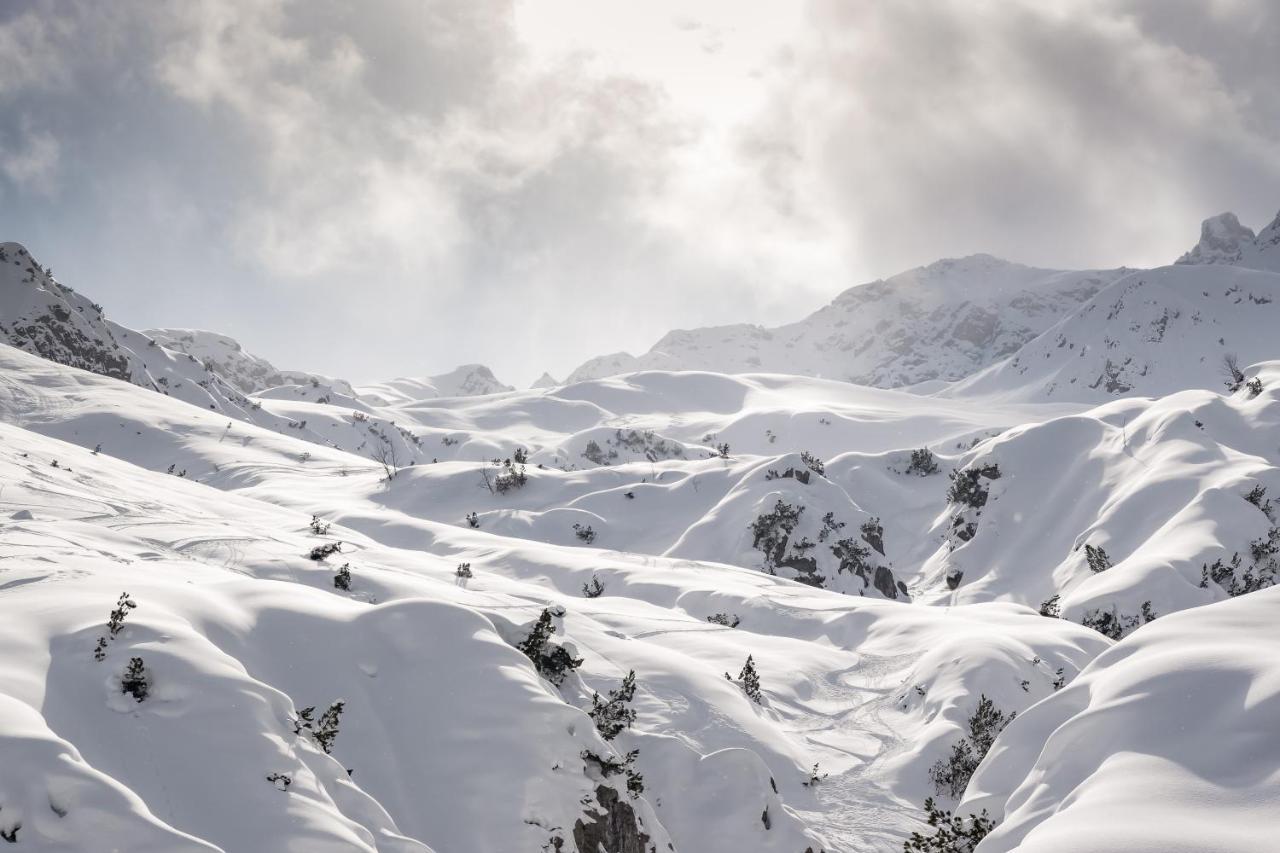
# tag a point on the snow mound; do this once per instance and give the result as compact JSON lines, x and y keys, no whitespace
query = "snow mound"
{"x":1164,"y":744}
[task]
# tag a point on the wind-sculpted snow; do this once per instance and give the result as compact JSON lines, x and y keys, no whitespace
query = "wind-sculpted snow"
{"x":439,"y":706}
{"x":1164,"y":744}
{"x":405,"y":617}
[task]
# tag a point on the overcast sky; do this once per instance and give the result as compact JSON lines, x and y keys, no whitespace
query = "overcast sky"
{"x":391,"y":188}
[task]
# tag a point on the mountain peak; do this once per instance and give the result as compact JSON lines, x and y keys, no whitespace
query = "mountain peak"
{"x":1223,"y":240}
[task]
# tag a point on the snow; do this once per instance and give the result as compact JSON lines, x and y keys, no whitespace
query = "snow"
{"x":1164,"y":743}
{"x":877,"y":615}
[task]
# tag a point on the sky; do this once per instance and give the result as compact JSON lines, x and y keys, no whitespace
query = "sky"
{"x":395,"y":187}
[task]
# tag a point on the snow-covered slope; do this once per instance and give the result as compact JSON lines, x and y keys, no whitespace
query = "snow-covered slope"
{"x":1176,"y":495}
{"x":940,"y":322}
{"x":248,"y":372}
{"x":1223,"y":240}
{"x":1165,"y":744}
{"x":452,"y":739}
{"x":881,"y":560}
{"x":1153,"y":332}
{"x":469,"y":380}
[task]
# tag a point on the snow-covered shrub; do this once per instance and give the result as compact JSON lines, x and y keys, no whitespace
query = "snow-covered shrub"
{"x":1049,"y":607}
{"x":1258,"y":497}
{"x":1255,"y":386}
{"x":967,"y":488}
{"x":1097,"y":559}
{"x":584,"y":533}
{"x":729,"y":621}
{"x":136,"y":681}
{"x":953,"y":834}
{"x":282,"y":781}
{"x":473,"y":520}
{"x":829,"y":526}
{"x":595,"y":589}
{"x":608,"y":766}
{"x":813,"y":463}
{"x":771,"y":532}
{"x":509,"y":477}
{"x":951,"y":775}
{"x":1111,"y":623}
{"x":553,"y":662}
{"x":318,"y":527}
{"x":115,"y":624}
{"x":923,"y":463}
{"x":722,"y":450}
{"x":613,"y":715}
{"x":520,"y":456}
{"x":594,"y":453}
{"x":873,"y":534}
{"x":342,"y":580}
{"x":322,"y":552}
{"x":463,"y":572}
{"x":815,"y":776}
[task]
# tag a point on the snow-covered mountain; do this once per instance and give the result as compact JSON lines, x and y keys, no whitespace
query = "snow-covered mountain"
{"x":248,"y":372}
{"x":1152,"y":332}
{"x":712,"y":610}
{"x":940,"y":322}
{"x":468,"y":380}
{"x":1223,"y":240}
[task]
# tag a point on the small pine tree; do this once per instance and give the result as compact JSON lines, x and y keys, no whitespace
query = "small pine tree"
{"x":951,"y":775}
{"x":1097,"y":559}
{"x":749,"y":679}
{"x":612,"y":715}
{"x":342,"y":580}
{"x":953,"y":835}
{"x":813,"y":463}
{"x":585,"y":533}
{"x":1049,"y":607}
{"x":922,"y":462}
{"x":463,"y":572}
{"x":318,"y":527}
{"x":325,"y":730}
{"x":722,"y":450}
{"x":473,"y":520}
{"x":595,"y":589}
{"x":726,"y":619}
{"x":136,"y":681}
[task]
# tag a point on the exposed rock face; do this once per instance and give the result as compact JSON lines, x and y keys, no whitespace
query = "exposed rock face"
{"x":1223,"y":240}
{"x":615,"y":830}
{"x":42,"y":316}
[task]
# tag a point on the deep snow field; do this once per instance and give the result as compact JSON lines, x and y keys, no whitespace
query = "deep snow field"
{"x":1097,"y":565}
